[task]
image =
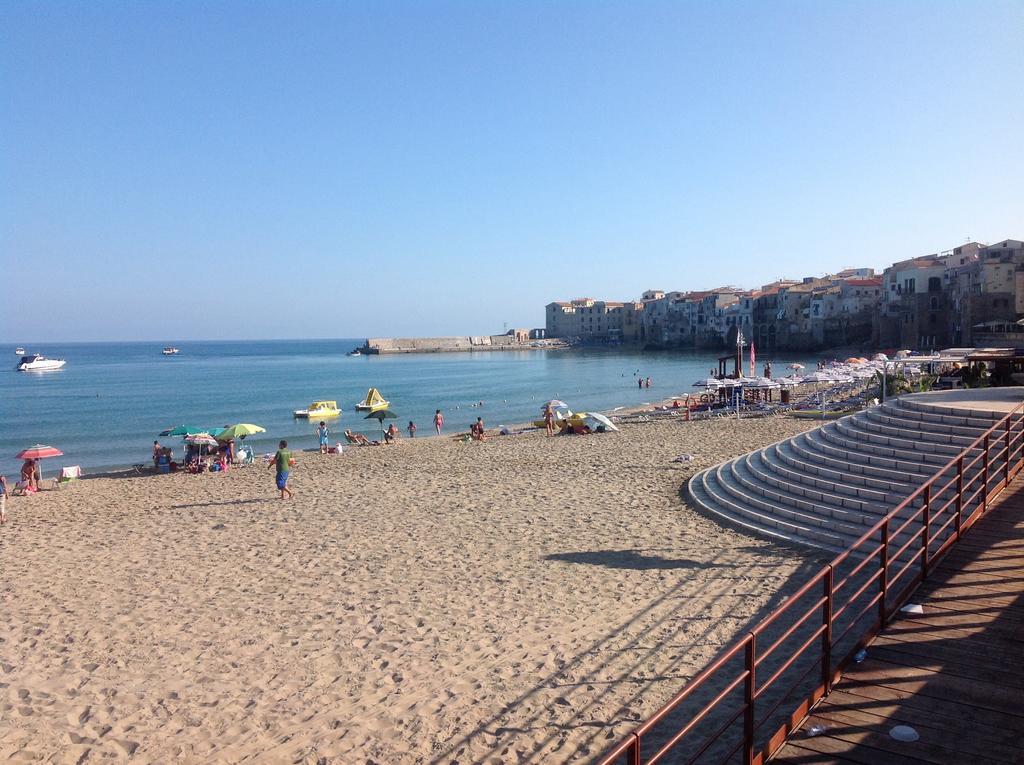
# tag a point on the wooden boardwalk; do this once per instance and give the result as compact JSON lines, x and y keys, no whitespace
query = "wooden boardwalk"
{"x":954,"y":673}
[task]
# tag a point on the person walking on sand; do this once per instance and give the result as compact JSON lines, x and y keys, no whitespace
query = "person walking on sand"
{"x":411,"y":427}
{"x":549,"y":420}
{"x":438,"y":421}
{"x":3,"y":500}
{"x":283,"y":461}
{"x":323,"y":433}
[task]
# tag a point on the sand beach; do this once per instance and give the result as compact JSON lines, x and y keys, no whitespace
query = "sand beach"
{"x":525,"y":599}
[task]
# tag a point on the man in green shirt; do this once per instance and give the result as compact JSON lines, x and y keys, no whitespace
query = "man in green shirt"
{"x":283,"y":461}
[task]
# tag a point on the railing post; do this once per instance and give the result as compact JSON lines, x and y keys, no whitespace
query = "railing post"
{"x":883,"y":580}
{"x":959,"y":494}
{"x":1006,"y":461}
{"x":748,"y":698}
{"x":633,"y":752}
{"x":984,"y":476}
{"x":925,"y":523}
{"x":826,"y":635}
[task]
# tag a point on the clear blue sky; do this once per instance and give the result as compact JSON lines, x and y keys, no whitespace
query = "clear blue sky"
{"x":176,"y":170}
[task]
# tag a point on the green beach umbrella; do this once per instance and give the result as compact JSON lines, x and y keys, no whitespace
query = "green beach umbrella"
{"x":239,"y":431}
{"x":380,"y":415}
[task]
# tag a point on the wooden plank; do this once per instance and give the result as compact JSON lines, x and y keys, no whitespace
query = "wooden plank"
{"x":984,"y":647}
{"x":934,"y":735}
{"x":979,"y":673}
{"x":961,"y":624}
{"x":947,"y":716}
{"x":829,"y":749}
{"x":851,"y":738}
{"x":953,"y":709}
{"x":794,"y":754}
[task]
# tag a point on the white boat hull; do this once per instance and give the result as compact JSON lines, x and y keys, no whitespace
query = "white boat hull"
{"x":42,"y":366}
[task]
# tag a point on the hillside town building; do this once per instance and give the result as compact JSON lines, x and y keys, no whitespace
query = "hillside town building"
{"x":950,"y":298}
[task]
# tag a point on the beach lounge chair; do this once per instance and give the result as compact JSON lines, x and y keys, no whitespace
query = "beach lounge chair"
{"x":67,"y":475}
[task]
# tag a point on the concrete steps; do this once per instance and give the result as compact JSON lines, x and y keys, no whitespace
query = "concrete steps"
{"x":826,"y":487}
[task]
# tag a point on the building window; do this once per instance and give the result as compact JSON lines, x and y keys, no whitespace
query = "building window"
{"x":933,"y":303}
{"x":934,"y":284}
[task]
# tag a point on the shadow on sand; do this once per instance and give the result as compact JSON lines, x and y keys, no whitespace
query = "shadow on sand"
{"x":222,"y":502}
{"x":628,"y":559}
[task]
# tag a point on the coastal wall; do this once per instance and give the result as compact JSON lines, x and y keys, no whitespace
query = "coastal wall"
{"x":449,"y":344}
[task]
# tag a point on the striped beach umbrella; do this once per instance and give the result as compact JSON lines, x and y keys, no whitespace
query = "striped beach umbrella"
{"x":39,"y":452}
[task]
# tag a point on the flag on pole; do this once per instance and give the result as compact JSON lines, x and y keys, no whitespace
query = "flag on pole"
{"x":753,"y":358}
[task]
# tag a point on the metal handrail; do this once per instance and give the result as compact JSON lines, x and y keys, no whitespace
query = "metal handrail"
{"x":999,"y":462}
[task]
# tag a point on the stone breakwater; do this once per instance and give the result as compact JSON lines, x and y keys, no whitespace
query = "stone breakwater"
{"x":448,"y":344}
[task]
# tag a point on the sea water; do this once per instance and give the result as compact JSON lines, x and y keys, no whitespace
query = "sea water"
{"x":107,"y":405}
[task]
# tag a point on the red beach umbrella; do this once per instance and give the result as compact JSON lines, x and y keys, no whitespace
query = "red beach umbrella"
{"x":38,"y":452}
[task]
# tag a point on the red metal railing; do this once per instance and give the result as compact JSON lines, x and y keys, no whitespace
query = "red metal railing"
{"x":870,"y":580}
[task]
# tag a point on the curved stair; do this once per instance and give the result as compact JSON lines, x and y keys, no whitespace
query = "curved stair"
{"x":826,"y":487}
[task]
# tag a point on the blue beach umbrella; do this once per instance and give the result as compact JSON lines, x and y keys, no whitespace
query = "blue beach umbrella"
{"x":189,"y":430}
{"x":182,"y":430}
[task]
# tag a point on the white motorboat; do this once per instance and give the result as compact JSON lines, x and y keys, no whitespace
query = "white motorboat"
{"x":356,"y":352}
{"x":20,"y":351}
{"x":170,"y":351}
{"x":36,"y":362}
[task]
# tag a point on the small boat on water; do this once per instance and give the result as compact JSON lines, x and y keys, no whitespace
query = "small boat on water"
{"x":319,"y":409}
{"x":20,"y":351}
{"x":170,"y":351}
{"x":373,"y":402}
{"x":355,"y":352}
{"x":36,"y":362}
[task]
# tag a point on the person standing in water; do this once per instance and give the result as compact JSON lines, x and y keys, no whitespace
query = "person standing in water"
{"x":411,"y":427}
{"x":438,"y":421}
{"x":283,"y":462}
